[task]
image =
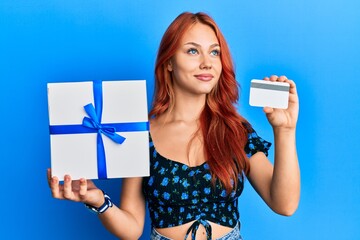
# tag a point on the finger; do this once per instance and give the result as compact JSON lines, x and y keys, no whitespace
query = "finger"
{"x":55,"y":188}
{"x":292,"y":84}
{"x":268,"y":110}
{"x":282,"y":78}
{"x":266,"y":78}
{"x":293,"y":97}
{"x":68,"y":194}
{"x":83,"y":188}
{"x":48,"y":173}
{"x":273,"y":78}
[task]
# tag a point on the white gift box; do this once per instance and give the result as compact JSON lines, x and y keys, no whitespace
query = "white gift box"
{"x":75,"y":147}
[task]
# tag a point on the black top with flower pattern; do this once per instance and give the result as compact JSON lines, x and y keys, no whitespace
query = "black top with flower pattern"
{"x":178,"y":194}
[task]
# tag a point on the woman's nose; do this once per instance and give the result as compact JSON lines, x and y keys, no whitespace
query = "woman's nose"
{"x":205,"y":62}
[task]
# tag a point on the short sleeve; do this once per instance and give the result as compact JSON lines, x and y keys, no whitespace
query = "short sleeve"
{"x":256,"y":144}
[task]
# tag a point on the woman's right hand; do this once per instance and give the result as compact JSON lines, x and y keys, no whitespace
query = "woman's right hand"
{"x":81,"y":190}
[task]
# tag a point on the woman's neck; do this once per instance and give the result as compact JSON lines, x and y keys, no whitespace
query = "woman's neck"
{"x":187,"y":108}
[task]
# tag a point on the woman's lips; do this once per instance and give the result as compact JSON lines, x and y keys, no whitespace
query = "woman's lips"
{"x":204,"y":77}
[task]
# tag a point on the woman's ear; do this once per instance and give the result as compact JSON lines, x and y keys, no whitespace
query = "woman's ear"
{"x":169,"y":66}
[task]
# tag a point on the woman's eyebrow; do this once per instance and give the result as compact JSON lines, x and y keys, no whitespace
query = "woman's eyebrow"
{"x":198,"y":45}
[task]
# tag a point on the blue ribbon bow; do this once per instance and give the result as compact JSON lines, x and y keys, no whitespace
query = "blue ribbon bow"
{"x":92,"y":124}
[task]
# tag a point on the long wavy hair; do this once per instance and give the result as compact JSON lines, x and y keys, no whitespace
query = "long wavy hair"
{"x":223,"y":130}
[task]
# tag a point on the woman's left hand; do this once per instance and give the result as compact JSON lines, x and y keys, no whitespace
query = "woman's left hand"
{"x":284,"y":118}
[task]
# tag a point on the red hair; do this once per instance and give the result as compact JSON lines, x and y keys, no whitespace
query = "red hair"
{"x":224,"y":131}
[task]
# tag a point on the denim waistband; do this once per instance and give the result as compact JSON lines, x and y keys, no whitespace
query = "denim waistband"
{"x":234,"y":234}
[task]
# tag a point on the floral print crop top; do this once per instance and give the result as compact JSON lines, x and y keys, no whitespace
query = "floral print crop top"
{"x":177,"y":194}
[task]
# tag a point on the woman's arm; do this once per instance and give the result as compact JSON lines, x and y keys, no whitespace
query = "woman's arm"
{"x":279,"y":185}
{"x":125,"y":222}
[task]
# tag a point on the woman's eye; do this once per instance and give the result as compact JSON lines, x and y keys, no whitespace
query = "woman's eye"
{"x":215,"y":52}
{"x":192,"y":51}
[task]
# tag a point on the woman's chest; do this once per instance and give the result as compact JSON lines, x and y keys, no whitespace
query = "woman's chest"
{"x":183,"y":144}
{"x":174,"y":183}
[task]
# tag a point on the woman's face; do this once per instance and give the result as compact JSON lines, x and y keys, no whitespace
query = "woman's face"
{"x":196,"y":65}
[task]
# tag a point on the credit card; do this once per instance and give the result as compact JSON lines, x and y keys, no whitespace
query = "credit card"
{"x":269,"y":94}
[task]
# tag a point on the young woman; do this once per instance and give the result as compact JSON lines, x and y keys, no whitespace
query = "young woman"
{"x":201,"y":149}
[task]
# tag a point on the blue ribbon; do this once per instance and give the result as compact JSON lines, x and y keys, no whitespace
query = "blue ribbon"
{"x":195,"y":226}
{"x":92,"y":124}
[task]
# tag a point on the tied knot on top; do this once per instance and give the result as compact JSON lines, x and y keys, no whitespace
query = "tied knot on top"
{"x":94,"y":122}
{"x":195,"y":226}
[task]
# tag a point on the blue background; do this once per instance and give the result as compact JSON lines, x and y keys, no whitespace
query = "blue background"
{"x":316,"y":43}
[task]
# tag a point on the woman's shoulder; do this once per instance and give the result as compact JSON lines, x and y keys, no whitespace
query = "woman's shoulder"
{"x":155,"y":125}
{"x":255,"y":143}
